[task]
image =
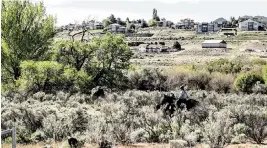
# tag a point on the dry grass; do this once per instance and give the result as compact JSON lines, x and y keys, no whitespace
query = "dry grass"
{"x":138,"y":145}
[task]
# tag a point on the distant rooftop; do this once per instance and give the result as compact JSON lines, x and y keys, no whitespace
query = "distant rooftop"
{"x":214,"y":41}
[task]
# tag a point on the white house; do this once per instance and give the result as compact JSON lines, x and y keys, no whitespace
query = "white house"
{"x":248,"y":25}
{"x":114,"y":27}
{"x":214,"y":44}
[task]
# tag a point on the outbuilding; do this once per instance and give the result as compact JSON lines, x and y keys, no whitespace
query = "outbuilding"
{"x":214,"y":44}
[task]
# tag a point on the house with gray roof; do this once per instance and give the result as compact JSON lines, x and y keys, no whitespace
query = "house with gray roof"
{"x":249,"y":25}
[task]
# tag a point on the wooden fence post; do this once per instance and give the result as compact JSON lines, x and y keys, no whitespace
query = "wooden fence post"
{"x":13,"y":137}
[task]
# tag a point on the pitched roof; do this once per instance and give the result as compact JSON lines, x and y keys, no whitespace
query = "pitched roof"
{"x":214,"y":41}
{"x":249,"y":20}
{"x":221,"y":19}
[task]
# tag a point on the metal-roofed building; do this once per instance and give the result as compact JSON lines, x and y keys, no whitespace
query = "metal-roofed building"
{"x":214,"y":44}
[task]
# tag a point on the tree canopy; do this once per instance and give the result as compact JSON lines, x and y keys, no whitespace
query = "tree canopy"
{"x":32,"y":61}
{"x":27,"y":33}
{"x":112,"y":19}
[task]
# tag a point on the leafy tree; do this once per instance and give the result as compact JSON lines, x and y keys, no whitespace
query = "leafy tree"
{"x":105,"y":23}
{"x":152,"y":23}
{"x":112,"y":19}
{"x":27,"y":33}
{"x":233,"y":21}
{"x":112,"y":58}
{"x":119,"y":21}
{"x":73,"y":53}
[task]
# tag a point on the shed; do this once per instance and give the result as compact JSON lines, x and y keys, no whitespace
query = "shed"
{"x":214,"y":44}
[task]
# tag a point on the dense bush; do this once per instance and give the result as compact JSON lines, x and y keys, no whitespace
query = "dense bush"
{"x":148,"y":79}
{"x":222,"y":83}
{"x":39,"y":76}
{"x":223,"y":66}
{"x":156,"y":79}
{"x":254,"y":120}
{"x":245,"y":82}
{"x":264,"y":73}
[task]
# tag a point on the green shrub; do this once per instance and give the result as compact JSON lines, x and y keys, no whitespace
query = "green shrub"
{"x":258,"y":61}
{"x":264,"y":73}
{"x":245,"y":82}
{"x":223,"y":66}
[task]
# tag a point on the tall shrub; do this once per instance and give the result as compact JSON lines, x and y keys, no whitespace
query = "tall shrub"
{"x":245,"y":82}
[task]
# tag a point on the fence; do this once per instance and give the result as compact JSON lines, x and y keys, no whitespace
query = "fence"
{"x":11,"y":132}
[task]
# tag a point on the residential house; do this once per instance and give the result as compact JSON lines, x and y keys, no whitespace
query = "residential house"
{"x":98,"y":25}
{"x":188,"y":23}
{"x":180,"y":25}
{"x":207,"y":27}
{"x":164,"y":23}
{"x":116,"y":28}
{"x":214,"y":44}
{"x":260,"y":19}
{"x":249,"y":25}
{"x":185,"y":24}
{"x":244,"y":18}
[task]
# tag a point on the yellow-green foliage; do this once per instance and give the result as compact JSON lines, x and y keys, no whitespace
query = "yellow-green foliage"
{"x":258,"y":61}
{"x":245,"y":82}
{"x":38,"y":74}
{"x":134,"y":67}
{"x":223,"y":66}
{"x":27,"y":32}
{"x":264,"y":73}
